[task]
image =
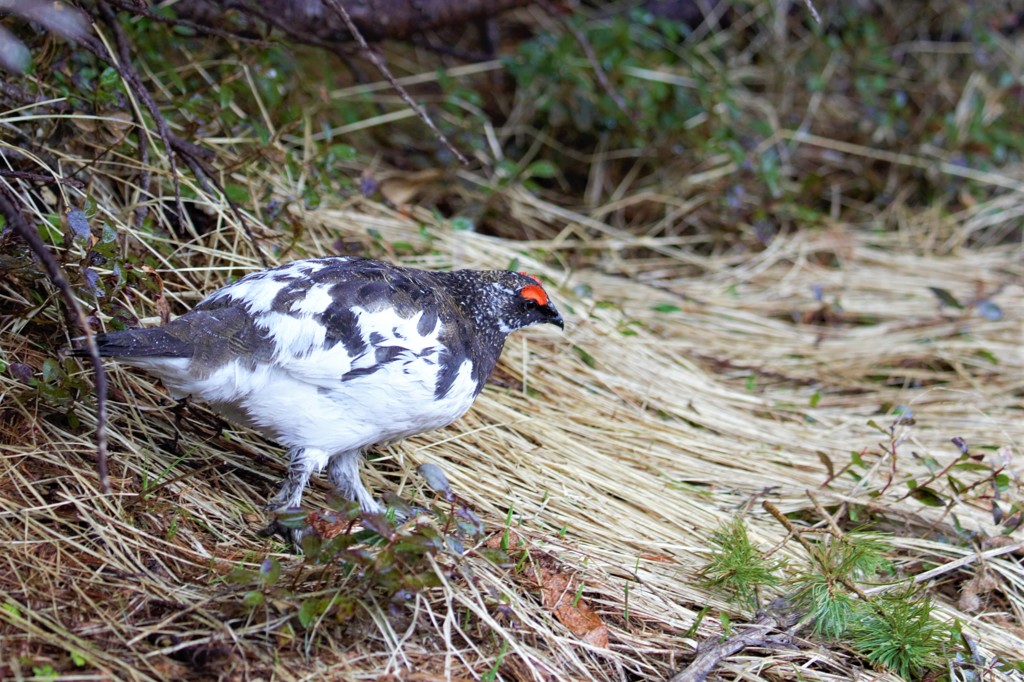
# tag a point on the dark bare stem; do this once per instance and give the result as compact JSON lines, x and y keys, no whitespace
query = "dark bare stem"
{"x":811,"y":550}
{"x":76,"y":317}
{"x":763,"y":633}
{"x":141,"y":10}
{"x":39,"y":177}
{"x":209,"y":183}
{"x":189,"y":152}
{"x":132,"y":80}
{"x":124,"y":54}
{"x":813,"y":10}
{"x":595,"y":63}
{"x":383,"y":68}
{"x":823,"y":513}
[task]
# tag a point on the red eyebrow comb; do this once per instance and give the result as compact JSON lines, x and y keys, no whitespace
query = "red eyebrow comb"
{"x":534,"y":292}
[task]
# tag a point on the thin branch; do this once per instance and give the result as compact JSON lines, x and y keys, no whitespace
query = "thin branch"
{"x":191,"y":153}
{"x":959,"y":563}
{"x":139,"y":9}
{"x":39,"y":177}
{"x":823,"y":513}
{"x":813,"y":10}
{"x":811,"y":550}
{"x":76,"y":317}
{"x":595,"y":63}
{"x":124,"y":54}
{"x":131,"y":78}
{"x":188,"y":152}
{"x":22,"y":96}
{"x":764,"y":633}
{"x":376,"y":20}
{"x":383,"y":68}
{"x":282,"y":23}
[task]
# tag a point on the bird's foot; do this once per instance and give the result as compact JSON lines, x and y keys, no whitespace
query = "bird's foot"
{"x":275,"y":505}
{"x":289,"y":524}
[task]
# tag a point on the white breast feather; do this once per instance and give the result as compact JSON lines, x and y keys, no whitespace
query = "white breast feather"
{"x":387,"y":405}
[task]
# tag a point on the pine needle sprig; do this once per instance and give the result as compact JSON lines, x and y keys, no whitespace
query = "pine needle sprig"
{"x":823,"y":592}
{"x":737,"y":566}
{"x":897,"y":632}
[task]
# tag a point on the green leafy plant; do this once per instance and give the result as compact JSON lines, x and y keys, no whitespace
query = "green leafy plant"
{"x":894,"y":631}
{"x":356,"y":555}
{"x":737,"y":566}
{"x":823,"y":589}
{"x":897,"y":632}
{"x":554,"y":71}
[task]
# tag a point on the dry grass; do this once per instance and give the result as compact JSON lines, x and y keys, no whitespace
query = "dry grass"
{"x":686,"y":390}
{"x":618,"y":466}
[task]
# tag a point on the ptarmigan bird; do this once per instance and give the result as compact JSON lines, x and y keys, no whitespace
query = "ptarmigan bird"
{"x":329,"y":356}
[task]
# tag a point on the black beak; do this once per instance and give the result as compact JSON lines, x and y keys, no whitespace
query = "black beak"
{"x":556,"y":318}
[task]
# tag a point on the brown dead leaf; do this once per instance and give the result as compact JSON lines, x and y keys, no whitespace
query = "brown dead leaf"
{"x":656,"y":557}
{"x":86,"y":125}
{"x":973,"y":590}
{"x":557,"y":592}
{"x":402,"y":188}
{"x":553,"y":584}
{"x":506,"y":538}
{"x":117,"y":125}
{"x":584,"y":623}
{"x":327,"y":527}
{"x":110,"y":126}
{"x":163,"y":308}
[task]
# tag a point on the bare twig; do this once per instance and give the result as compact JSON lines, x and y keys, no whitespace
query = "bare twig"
{"x":959,"y":563}
{"x":14,"y":218}
{"x":823,"y":513}
{"x":595,"y":63}
{"x":198,"y":27}
{"x":383,"y":68}
{"x":813,"y":10}
{"x":132,"y":80}
{"x":191,"y":153}
{"x":811,"y":550}
{"x":376,"y":19}
{"x":124,"y":54}
{"x":19,"y":94}
{"x":39,"y":177}
{"x":765,"y":632}
{"x":172,"y":143}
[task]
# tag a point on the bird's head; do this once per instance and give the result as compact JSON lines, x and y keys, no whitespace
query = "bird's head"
{"x":530,"y":305}
{"x":501,"y":301}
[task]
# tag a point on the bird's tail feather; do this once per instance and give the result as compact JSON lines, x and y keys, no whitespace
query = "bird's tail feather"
{"x":138,"y":343}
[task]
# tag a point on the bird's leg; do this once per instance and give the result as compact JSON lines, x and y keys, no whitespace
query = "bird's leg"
{"x":343,"y":473}
{"x":301,"y":465}
{"x":178,"y":411}
{"x":180,"y":405}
